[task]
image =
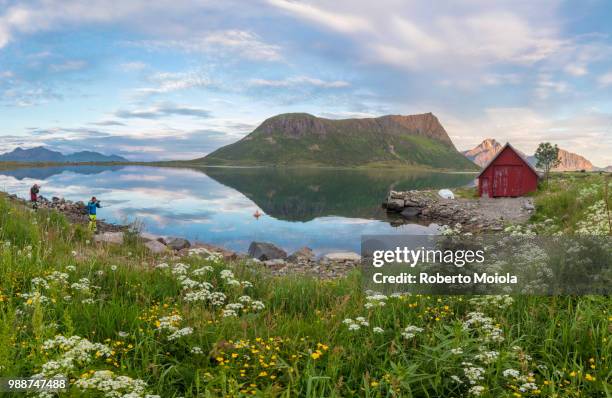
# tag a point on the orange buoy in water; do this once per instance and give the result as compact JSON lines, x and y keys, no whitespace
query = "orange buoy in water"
{"x":257,"y":214}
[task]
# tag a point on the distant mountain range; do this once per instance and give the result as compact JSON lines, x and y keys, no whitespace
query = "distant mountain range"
{"x":484,"y":152}
{"x":297,"y":139}
{"x":42,"y":154}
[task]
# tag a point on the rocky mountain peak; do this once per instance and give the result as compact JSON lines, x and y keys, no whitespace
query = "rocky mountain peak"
{"x":571,"y":161}
{"x":299,"y":125}
{"x":484,"y":152}
{"x":294,"y":125}
{"x":489,"y":143}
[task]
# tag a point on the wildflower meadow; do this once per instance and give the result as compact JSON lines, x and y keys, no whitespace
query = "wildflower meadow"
{"x":119,"y":322}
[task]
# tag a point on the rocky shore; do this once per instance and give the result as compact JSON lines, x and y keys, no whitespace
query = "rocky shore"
{"x":75,"y":212}
{"x":474,"y":214}
{"x":302,"y":262}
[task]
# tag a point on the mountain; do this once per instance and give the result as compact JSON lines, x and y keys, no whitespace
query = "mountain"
{"x":304,"y":139}
{"x":569,"y":162}
{"x":484,"y":152}
{"x":42,"y":173}
{"x":42,"y":154}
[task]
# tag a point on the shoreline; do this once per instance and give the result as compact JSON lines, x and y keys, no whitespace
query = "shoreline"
{"x":189,"y":164}
{"x":303,"y":261}
{"x":475,"y":215}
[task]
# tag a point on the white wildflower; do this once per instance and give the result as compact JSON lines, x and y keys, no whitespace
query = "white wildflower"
{"x":410,"y":331}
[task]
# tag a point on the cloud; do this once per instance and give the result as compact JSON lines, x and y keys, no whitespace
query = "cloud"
{"x":342,"y":22}
{"x":576,"y":70}
{"x":37,"y":16}
{"x":107,"y":123}
{"x":486,"y":80}
{"x":546,"y":86}
{"x":299,"y":80}
{"x":605,"y":79}
{"x":141,"y":145}
{"x":158,"y":111}
{"x":241,"y":42}
{"x":413,"y":38}
{"x":4,"y":36}
{"x":165,"y":82}
{"x":133,"y":66}
{"x":67,"y":134}
{"x":68,"y":66}
{"x":26,"y":94}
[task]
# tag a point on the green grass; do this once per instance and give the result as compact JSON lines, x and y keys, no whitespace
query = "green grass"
{"x":566,"y":200}
{"x":299,"y":338}
{"x":466,"y":192}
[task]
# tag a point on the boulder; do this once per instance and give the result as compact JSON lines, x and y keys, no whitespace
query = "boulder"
{"x":109,"y":237}
{"x":266,"y":251}
{"x":155,"y":246}
{"x":342,"y":256}
{"x":148,"y":237}
{"x":411,"y":203}
{"x":303,"y":254}
{"x":177,"y":243}
{"x":410,"y":212}
{"x":395,"y":204}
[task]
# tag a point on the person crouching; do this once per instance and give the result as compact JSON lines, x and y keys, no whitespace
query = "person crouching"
{"x":34,"y":196}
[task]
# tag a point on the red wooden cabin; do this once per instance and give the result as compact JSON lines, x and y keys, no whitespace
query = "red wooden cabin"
{"x":507,"y":174}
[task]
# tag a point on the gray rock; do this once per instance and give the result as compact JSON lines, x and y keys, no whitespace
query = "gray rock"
{"x":266,"y":251}
{"x":411,"y":203}
{"x":177,"y":243}
{"x":342,"y":256}
{"x":410,"y":212}
{"x":304,"y":254}
{"x":395,"y":204}
{"x":155,"y":246}
{"x":274,"y":263}
{"x":148,"y":237}
{"x":527,"y":205}
{"x":109,"y":237}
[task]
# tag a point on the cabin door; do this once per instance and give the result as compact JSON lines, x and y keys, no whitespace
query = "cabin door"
{"x":507,"y":180}
{"x":484,"y":188}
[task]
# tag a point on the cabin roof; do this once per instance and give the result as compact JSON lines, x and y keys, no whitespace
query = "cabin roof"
{"x":513,"y":150}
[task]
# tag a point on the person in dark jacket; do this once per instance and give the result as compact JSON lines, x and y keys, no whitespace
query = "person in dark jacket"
{"x":34,"y":195}
{"x":92,"y":206}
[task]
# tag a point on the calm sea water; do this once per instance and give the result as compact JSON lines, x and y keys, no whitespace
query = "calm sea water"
{"x":327,"y":210}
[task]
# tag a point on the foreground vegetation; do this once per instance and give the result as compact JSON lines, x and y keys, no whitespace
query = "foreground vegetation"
{"x":119,"y":322}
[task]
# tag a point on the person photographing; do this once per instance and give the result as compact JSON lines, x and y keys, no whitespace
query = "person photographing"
{"x":34,"y":195}
{"x":92,"y":207}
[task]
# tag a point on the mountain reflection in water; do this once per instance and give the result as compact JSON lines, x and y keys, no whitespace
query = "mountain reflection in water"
{"x":325,"y":209}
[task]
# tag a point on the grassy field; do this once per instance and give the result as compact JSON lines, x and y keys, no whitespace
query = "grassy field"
{"x":120,"y":323}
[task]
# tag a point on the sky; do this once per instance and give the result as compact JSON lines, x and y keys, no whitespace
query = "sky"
{"x":155,"y":80}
